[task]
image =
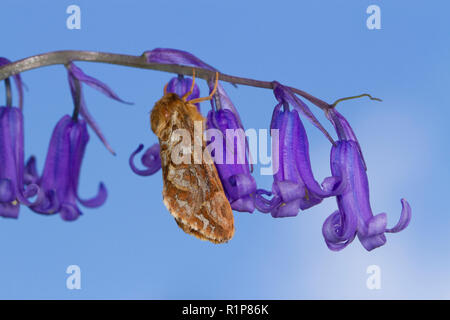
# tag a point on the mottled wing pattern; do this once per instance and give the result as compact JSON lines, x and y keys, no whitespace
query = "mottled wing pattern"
{"x":192,"y":192}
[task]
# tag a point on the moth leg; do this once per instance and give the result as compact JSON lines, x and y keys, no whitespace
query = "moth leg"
{"x":210,"y":95}
{"x":187,"y":94}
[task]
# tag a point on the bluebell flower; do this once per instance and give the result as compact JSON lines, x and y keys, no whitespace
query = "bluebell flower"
{"x":12,"y":176}
{"x":294,"y":187}
{"x":354,"y":216}
{"x":60,"y":176}
{"x":238,"y":183}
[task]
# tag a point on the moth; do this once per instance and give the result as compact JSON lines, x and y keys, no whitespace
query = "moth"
{"x":192,"y":192}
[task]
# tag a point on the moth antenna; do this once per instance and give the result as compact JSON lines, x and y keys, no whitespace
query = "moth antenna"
{"x":210,"y":95}
{"x":187,"y":94}
{"x":165,"y":88}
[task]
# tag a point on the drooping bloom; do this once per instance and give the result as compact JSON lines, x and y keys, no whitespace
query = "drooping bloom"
{"x":354,"y":216}
{"x":59,"y":180}
{"x":12,"y":192}
{"x":294,"y":185}
{"x":239,"y":185}
{"x":150,"y":159}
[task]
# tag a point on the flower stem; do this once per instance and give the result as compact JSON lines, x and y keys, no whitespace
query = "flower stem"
{"x":66,"y":56}
{"x":8,"y":92}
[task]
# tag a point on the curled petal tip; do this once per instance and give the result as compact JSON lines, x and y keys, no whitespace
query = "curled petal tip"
{"x":337,"y":232}
{"x":376,"y":241}
{"x":97,"y":200}
{"x":334,"y":185}
{"x":373,"y":237}
{"x":244,"y":204}
{"x":239,"y":185}
{"x":69,"y":212}
{"x":139,"y":148}
{"x":9,"y":210}
{"x":264,"y":205}
{"x":32,"y":190}
{"x":150,"y":159}
{"x":405,"y":218}
{"x":289,"y":209}
{"x":377,"y":224}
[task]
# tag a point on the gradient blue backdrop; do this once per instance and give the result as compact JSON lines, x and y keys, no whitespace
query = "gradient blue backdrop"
{"x":132,"y":249}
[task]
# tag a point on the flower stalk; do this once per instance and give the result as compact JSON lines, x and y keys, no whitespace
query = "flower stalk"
{"x":64,"y":57}
{"x":77,"y":99}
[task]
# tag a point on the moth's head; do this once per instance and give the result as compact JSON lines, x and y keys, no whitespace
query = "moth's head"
{"x":163,"y":111}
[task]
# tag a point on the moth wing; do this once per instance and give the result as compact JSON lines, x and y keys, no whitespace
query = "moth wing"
{"x":193,"y":192}
{"x":201,"y":209}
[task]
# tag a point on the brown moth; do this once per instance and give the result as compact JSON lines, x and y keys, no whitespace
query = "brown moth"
{"x":193,"y":192}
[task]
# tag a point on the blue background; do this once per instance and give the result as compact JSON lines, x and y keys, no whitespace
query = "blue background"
{"x":131,"y":248}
